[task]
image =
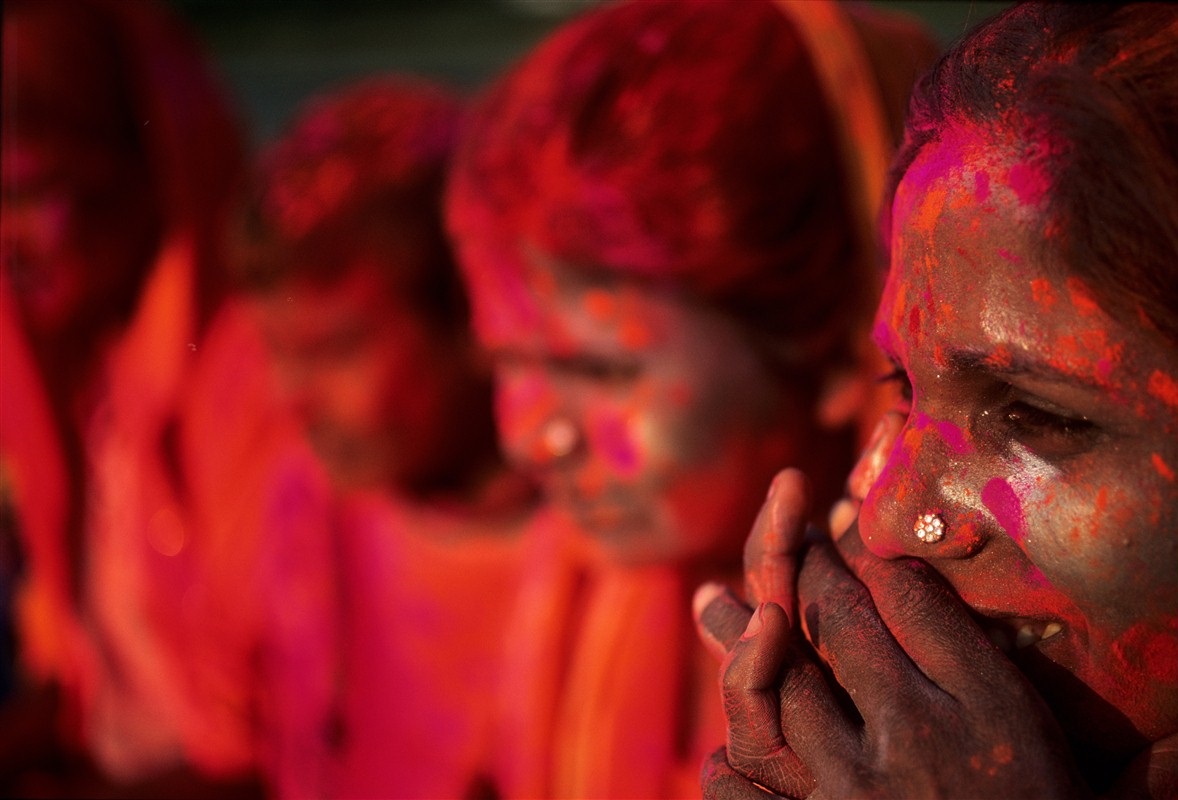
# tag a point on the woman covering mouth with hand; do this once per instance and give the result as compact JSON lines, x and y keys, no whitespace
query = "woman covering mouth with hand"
{"x":1002,"y":621}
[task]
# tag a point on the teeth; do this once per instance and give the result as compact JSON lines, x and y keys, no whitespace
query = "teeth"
{"x":1025,"y":637}
{"x":1052,"y":629}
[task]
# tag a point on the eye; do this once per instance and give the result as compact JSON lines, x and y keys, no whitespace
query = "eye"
{"x":1051,"y":433}
{"x":600,"y":369}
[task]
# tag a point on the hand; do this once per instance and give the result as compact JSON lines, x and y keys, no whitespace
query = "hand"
{"x":898,"y":694}
{"x":770,"y":566}
{"x":725,"y":623}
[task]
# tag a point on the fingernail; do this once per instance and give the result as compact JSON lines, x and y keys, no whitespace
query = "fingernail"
{"x":756,"y":622}
{"x":704,"y":595}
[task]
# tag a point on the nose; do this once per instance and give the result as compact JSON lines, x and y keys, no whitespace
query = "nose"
{"x":539,"y":427}
{"x":921,"y":504}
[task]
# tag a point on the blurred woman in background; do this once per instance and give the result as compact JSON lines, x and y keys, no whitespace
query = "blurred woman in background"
{"x":663,"y":214}
{"x":135,"y":425}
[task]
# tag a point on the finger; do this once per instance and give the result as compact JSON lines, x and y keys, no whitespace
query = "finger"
{"x":846,"y":629}
{"x":930,"y":622}
{"x":770,"y":552}
{"x":764,"y":676}
{"x":842,"y":514}
{"x":720,"y":618}
{"x":719,"y":781}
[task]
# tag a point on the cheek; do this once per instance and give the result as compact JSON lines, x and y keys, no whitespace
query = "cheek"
{"x":615,"y":435}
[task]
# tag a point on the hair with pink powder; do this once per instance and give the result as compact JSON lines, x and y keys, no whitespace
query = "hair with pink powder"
{"x":683,"y":143}
{"x":1088,"y":95}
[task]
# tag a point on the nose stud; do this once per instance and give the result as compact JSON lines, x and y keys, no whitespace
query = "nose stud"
{"x":929,"y":528}
{"x":560,"y":437}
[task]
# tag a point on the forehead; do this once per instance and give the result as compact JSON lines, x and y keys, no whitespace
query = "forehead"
{"x":970,"y":236}
{"x":528,"y":300}
{"x":974,"y":272}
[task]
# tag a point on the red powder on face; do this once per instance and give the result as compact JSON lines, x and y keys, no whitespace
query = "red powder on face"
{"x":1001,"y":357}
{"x":635,"y":334}
{"x":914,"y":323}
{"x":600,"y":304}
{"x":1162,"y":467}
{"x":1004,"y":504}
{"x":1164,"y":388}
{"x":1082,"y":298}
{"x":1153,"y":652}
{"x":1043,"y":293}
{"x":1102,"y":499}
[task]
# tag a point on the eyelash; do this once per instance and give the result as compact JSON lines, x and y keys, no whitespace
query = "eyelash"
{"x":899,"y":378}
{"x":1048,"y":433}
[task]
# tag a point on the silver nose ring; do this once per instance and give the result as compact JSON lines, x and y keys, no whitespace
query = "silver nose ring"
{"x":929,"y":528}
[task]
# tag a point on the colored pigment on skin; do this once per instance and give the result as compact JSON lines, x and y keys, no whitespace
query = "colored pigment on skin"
{"x":1082,"y":298}
{"x":954,"y":437}
{"x":1029,"y":183}
{"x":635,"y":334}
{"x":1043,"y":293}
{"x":1001,"y":357}
{"x":1147,"y":650}
{"x":1009,"y":256}
{"x":611,"y":435}
{"x":600,"y":304}
{"x":1162,"y":467}
{"x":1004,"y":504}
{"x":1164,"y":388}
{"x":981,"y":185}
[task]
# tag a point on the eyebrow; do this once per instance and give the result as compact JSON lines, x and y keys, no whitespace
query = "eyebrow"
{"x":1014,"y":365}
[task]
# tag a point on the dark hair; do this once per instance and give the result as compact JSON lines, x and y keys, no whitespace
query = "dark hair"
{"x":686,"y":143}
{"x":359,"y":172}
{"x":1099,"y":85}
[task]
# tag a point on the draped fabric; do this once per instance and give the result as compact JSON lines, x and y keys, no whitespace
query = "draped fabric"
{"x":380,"y":656}
{"x":606,"y":691}
{"x":179,"y":445}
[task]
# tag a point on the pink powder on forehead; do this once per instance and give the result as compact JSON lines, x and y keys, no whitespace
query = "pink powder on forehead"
{"x":981,"y":181}
{"x":1029,"y":183}
{"x":1004,"y":504}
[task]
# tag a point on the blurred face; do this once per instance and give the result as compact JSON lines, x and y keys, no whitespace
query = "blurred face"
{"x":364,"y":373}
{"x":1045,"y":434}
{"x":78,"y":217}
{"x":647,"y":418}
{"x":76,"y":233}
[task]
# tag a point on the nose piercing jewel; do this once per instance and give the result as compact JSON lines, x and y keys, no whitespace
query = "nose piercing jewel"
{"x":929,"y":528}
{"x":560,"y":437}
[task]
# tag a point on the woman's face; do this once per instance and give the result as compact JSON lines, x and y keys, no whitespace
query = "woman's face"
{"x":647,"y":418}
{"x":1044,"y":432}
{"x":365,"y":374}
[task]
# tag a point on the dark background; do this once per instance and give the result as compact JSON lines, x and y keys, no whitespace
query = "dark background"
{"x":273,"y":54}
